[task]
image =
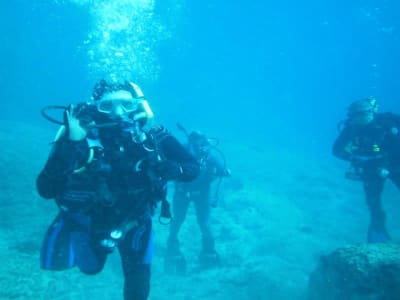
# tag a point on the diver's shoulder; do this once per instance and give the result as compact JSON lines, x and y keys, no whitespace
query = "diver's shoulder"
{"x":387,"y":117}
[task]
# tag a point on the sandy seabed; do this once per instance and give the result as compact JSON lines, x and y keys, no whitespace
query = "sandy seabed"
{"x":278,"y":213}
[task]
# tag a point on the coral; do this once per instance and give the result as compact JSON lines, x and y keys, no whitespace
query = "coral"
{"x":366,"y":271}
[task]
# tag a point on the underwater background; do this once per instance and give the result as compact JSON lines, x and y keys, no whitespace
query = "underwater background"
{"x":269,"y":79}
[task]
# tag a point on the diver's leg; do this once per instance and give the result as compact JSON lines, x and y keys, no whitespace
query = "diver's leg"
{"x":180,"y":207}
{"x":373,"y":187}
{"x":68,"y":243}
{"x":208,"y":257}
{"x":136,"y":252}
{"x":90,"y":255}
{"x":174,"y":260}
{"x":203,"y":210}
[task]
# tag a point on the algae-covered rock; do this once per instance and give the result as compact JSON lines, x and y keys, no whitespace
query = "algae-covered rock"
{"x":362,"y":272}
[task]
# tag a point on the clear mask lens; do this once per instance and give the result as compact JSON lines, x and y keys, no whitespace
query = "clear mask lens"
{"x":109,"y":105}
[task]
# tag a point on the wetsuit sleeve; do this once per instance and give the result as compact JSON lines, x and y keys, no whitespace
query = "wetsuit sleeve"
{"x":394,"y":119}
{"x":392,"y":137}
{"x":65,"y":156}
{"x":176,"y":152}
{"x":340,"y":146}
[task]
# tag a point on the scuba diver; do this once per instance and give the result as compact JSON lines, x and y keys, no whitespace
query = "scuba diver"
{"x":370,"y":141}
{"x":203,"y":192}
{"x":107,"y":171}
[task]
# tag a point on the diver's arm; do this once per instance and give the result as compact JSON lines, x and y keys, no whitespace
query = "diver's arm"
{"x":174,"y":151}
{"x":69,"y":151}
{"x":342,"y":146}
{"x":394,"y":119}
{"x":65,"y":156}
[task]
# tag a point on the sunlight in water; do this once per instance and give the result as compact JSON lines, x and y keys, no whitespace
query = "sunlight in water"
{"x":123,"y":38}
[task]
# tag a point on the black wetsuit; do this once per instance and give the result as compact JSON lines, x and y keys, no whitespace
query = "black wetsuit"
{"x":106,"y":187}
{"x":372,"y":149}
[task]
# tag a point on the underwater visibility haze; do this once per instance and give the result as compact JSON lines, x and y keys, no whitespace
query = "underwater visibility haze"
{"x":270,"y":79}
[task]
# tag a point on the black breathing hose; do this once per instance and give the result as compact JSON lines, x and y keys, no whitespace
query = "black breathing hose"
{"x":45,"y":114}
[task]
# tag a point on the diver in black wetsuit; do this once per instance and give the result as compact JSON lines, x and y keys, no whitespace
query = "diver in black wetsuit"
{"x":107,"y":170}
{"x":371,"y":142}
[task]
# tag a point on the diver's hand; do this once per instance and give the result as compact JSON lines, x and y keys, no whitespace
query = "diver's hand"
{"x":75,"y":131}
{"x":383,"y":172}
{"x":227,"y":173}
{"x":168,"y":170}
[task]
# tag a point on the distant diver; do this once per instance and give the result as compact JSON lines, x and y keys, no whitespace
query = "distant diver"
{"x":370,"y":141}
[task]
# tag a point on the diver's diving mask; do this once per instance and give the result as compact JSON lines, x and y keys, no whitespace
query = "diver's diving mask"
{"x":363,"y":111}
{"x":118,"y":102}
{"x":109,"y":105}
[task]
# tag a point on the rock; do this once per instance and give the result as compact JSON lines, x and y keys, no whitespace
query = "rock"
{"x":361,"y":272}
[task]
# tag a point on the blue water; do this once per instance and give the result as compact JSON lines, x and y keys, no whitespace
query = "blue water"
{"x":277,"y":74}
{"x":284,"y":69}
